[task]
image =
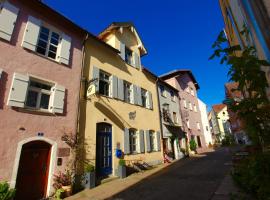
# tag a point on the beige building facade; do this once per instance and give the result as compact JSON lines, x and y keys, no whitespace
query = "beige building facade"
{"x":119,"y":111}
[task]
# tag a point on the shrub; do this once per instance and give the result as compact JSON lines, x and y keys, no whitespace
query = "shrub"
{"x":253,"y":175}
{"x":59,"y":194}
{"x":193,"y":145}
{"x":5,"y":192}
{"x":89,"y":168}
{"x":122,"y":162}
{"x":227,"y":140}
{"x":62,"y":179}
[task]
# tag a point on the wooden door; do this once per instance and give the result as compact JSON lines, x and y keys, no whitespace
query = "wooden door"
{"x":33,"y":171}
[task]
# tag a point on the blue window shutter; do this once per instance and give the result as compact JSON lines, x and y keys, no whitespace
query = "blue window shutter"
{"x":122,"y":50}
{"x":120,"y":89}
{"x":147,"y":139}
{"x":141,"y":136}
{"x":95,"y":76}
{"x":139,"y":96}
{"x":114,"y":87}
{"x":126,"y":141}
{"x":158,"y":141}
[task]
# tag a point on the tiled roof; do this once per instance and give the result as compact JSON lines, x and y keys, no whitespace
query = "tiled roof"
{"x":218,"y":107}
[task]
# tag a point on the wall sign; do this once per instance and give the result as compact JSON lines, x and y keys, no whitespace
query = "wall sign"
{"x":132,"y":115}
{"x":63,"y":152}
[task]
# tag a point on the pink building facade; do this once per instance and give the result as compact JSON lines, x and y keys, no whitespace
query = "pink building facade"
{"x":185,"y":83}
{"x":40,"y":60}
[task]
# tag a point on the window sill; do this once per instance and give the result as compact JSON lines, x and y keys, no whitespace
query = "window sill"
{"x":36,"y":111}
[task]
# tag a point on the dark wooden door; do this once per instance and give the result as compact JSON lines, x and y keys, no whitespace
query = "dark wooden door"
{"x":33,"y":171}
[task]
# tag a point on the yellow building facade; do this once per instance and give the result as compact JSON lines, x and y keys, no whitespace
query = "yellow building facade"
{"x":120,"y":108}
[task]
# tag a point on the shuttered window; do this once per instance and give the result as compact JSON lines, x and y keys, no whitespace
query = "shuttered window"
{"x":104,"y":83}
{"x":144,"y":97}
{"x":127,"y":92}
{"x":133,"y":141}
{"x":152,"y":140}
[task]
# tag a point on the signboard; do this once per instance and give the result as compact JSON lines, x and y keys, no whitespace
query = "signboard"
{"x":63,"y":152}
{"x":91,"y":90}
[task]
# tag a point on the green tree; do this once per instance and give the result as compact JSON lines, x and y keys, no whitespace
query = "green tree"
{"x":245,"y":68}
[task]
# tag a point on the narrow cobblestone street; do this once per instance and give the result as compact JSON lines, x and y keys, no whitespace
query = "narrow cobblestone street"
{"x":195,"y":178}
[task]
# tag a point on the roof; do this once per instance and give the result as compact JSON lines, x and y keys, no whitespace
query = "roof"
{"x":229,"y":87}
{"x":218,"y":107}
{"x":180,"y":72}
{"x":117,"y":25}
{"x":65,"y":21}
{"x":167,"y":85}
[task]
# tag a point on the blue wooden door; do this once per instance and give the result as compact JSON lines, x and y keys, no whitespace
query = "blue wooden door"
{"x":104,"y":152}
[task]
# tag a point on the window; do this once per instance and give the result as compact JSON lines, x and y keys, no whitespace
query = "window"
{"x":190,"y":105}
{"x":192,"y":91}
{"x":175,"y":120}
{"x":38,"y":96}
{"x":198,"y":126}
{"x":188,"y":125}
{"x":166,"y":112}
{"x":127,"y":92}
{"x":152,"y":140}
{"x":187,"y":89}
{"x":128,"y":56}
{"x":172,"y":95}
{"x":133,"y":141}
{"x":195,"y":108}
{"x":185,"y":103}
{"x":199,"y":141}
{"x":104,"y":83}
{"x":48,"y":42}
{"x":162,"y":91}
{"x":144,"y":97}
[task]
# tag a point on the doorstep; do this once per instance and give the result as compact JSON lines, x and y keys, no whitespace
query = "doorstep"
{"x":113,"y":187}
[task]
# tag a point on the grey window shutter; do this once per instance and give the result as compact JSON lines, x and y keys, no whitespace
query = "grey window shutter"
{"x":18,"y":90}
{"x":120,"y":89}
{"x":147,"y":139}
{"x":134,"y":94}
{"x":158,"y":141}
{"x":149,"y":102}
{"x":122,"y":50}
{"x":114,"y":86}
{"x":141,"y":137}
{"x":31,"y":33}
{"x":139,"y":96}
{"x":95,"y":75}
{"x":58,"y":99}
{"x":126,"y":141}
{"x":137,"y":60}
{"x":8,"y":17}
{"x":65,"y":49}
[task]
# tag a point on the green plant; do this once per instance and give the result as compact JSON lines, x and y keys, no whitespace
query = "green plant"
{"x":89,"y":168}
{"x":5,"y":192}
{"x":59,"y":193}
{"x":62,"y":179}
{"x":192,"y":145}
{"x":122,"y":162}
{"x":227,"y":140}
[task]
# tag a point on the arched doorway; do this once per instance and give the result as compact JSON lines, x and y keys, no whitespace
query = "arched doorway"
{"x":32,"y":177}
{"x":104,"y":149}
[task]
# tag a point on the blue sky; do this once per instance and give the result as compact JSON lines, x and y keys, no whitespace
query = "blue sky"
{"x":177,"y":34}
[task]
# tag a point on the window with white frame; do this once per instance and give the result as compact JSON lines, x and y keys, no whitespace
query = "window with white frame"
{"x":144,"y":97}
{"x":192,"y":91}
{"x":152,"y":140}
{"x":38,"y":95}
{"x":195,"y":108}
{"x":48,"y":41}
{"x":127,"y":92}
{"x":162,"y":91}
{"x":128,"y":56}
{"x":133,"y":141}
{"x":198,"y":126}
{"x":190,"y":105}
{"x":104,"y":83}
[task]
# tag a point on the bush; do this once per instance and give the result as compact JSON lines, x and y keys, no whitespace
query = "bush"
{"x":89,"y":168}
{"x":62,"y":179}
{"x":5,"y":192}
{"x":122,"y":162}
{"x":193,"y":145}
{"x":253,"y":175}
{"x":227,"y":140}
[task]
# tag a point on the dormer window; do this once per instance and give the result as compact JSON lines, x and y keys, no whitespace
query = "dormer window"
{"x":128,"y":56}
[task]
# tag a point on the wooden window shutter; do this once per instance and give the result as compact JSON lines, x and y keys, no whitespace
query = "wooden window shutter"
{"x":134,"y":94}
{"x":158,"y":140}
{"x":18,"y":90}
{"x":114,"y":86}
{"x":122,"y":50}
{"x":141,"y":139}
{"x":95,"y":75}
{"x":31,"y":33}
{"x":149,"y":102}
{"x":126,"y":141}
{"x":8,"y":17}
{"x":120,"y":89}
{"x":147,"y":139}
{"x":65,"y":49}
{"x":58,"y":99}
{"x":137,"y":60}
{"x":139,"y":96}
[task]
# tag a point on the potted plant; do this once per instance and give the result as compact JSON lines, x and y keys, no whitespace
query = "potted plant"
{"x":193,"y":146}
{"x":122,"y":171}
{"x":63,"y":180}
{"x":89,"y":176}
{"x":6,"y":193}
